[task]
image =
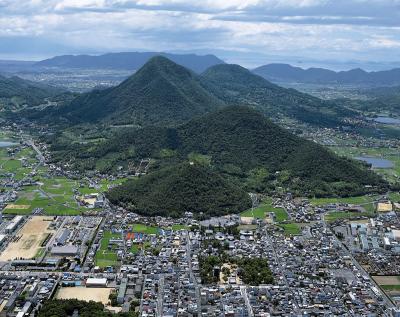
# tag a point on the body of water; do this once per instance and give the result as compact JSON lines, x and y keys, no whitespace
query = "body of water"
{"x":376,"y":162}
{"x":387,"y":120}
{"x":6,"y":143}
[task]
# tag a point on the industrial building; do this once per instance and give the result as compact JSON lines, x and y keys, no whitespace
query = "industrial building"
{"x":96,"y":282}
{"x":14,"y":224}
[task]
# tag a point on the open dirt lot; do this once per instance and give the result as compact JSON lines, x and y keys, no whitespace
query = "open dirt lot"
{"x":83,"y":293}
{"x":12,"y":206}
{"x":28,"y":239}
{"x":387,"y":280}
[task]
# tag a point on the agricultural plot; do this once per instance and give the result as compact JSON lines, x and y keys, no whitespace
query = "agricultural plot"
{"x":336,"y":215}
{"x":390,"y":284}
{"x":27,"y":242}
{"x":15,"y":164}
{"x":54,"y":195}
{"x":290,"y":228}
{"x":367,"y":202}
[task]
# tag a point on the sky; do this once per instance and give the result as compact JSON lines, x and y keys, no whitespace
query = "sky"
{"x":339,"y":33}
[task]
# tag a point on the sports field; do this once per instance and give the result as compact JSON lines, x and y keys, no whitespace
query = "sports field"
{"x":83,"y":293}
{"x":28,"y":239}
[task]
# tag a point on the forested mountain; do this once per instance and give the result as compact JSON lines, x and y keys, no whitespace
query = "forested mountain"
{"x":164,"y":93}
{"x":15,"y":92}
{"x":288,"y":73}
{"x":378,"y":100}
{"x":185,"y":187}
{"x":243,"y":145}
{"x":161,"y":92}
{"x":129,"y":61}
{"x":237,"y":85}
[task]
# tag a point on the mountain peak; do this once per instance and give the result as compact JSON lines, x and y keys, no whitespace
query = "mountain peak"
{"x":233,"y":74}
{"x":160,"y":92}
{"x":160,"y":65}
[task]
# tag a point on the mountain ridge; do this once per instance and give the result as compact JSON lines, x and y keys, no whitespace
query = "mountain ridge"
{"x":129,"y":60}
{"x":240,"y":143}
{"x":287,"y":73}
{"x":161,"y":92}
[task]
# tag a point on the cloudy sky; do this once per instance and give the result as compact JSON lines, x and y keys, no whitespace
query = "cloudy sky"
{"x":249,"y":32}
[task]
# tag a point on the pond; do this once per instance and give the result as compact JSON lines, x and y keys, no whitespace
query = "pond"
{"x":6,"y":143}
{"x":376,"y":162}
{"x":387,"y":120}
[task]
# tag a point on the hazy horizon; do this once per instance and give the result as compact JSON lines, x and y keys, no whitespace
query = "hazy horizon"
{"x":339,"y":34}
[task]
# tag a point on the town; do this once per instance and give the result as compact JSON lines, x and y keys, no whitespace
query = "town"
{"x":61,"y":239}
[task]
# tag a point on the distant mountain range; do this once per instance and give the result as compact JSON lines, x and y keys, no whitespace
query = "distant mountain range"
{"x":129,"y":61}
{"x":288,"y":73}
{"x":165,"y":93}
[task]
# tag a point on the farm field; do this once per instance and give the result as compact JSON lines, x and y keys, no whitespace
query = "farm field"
{"x":390,"y":284}
{"x":336,"y":215}
{"x":365,"y":201}
{"x":30,"y":237}
{"x":290,"y":228}
{"x":54,"y":195}
{"x":15,"y":165}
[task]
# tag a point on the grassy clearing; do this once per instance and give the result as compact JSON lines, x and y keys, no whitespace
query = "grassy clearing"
{"x":394,"y":196}
{"x":179,"y":227}
{"x":390,"y":287}
{"x":104,"y":256}
{"x":358,"y":200}
{"x":141,"y":228}
{"x":264,"y":208}
{"x":290,"y":228}
{"x":336,"y":215}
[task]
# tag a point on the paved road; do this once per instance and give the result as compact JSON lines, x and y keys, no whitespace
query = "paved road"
{"x":243,"y":290}
{"x":192,"y":277}
{"x":160,"y":296}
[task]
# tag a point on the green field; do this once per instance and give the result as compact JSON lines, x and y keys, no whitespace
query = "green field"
{"x":290,"y":228}
{"x":336,"y":215}
{"x":390,"y":287}
{"x":365,"y":201}
{"x":54,"y":195}
{"x":179,"y":227}
{"x":264,"y":208}
{"x":358,"y":200}
{"x":105,"y":257}
{"x":141,"y":228}
{"x":394,"y":196}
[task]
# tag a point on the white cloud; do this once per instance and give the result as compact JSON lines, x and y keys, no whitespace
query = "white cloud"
{"x":297,"y":27}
